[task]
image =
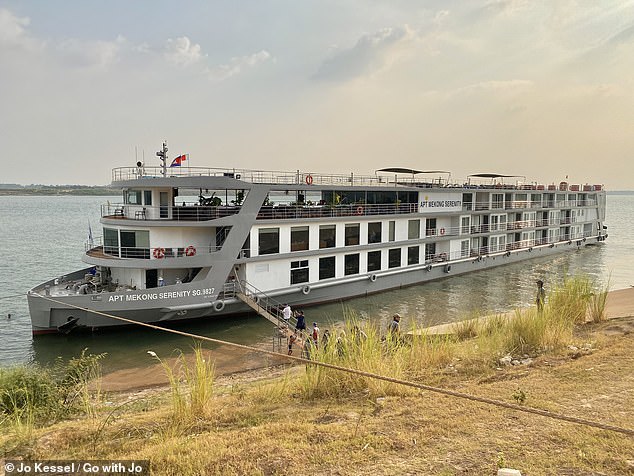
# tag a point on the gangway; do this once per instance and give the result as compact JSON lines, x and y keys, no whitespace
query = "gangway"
{"x":270,"y":309}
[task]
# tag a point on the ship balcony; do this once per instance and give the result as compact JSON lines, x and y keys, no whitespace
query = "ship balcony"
{"x":97,"y":249}
{"x":185,"y":212}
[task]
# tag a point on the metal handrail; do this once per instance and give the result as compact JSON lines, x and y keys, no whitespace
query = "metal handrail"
{"x":270,"y":305}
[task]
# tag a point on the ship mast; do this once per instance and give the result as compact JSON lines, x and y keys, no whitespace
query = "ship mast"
{"x":162,"y":154}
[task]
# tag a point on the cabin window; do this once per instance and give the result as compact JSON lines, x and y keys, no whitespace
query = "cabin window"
{"x":299,"y":271}
{"x":111,"y":241}
{"x":374,"y":260}
{"x":135,"y":244}
{"x":147,"y":197}
{"x":497,"y":200}
{"x":374,"y":232}
{"x":498,"y":222}
{"x":352,"y":233}
{"x":497,"y":243}
{"x":394,"y":258}
{"x":465,"y":225}
{"x":327,"y":267}
{"x":413,"y":255}
{"x":351,"y":264}
{"x":413,"y":229}
{"x":132,"y":197}
{"x":430,"y":227}
{"x":327,"y":236}
{"x":299,"y":238}
{"x":464,"y":248}
{"x":528,"y":238}
{"x":529,"y":219}
{"x":269,"y":242}
{"x":391,"y":230}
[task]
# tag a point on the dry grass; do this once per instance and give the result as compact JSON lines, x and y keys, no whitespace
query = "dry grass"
{"x":270,"y":428}
{"x":319,"y":421}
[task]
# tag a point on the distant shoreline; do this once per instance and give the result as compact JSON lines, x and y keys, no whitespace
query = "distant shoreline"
{"x":61,"y":190}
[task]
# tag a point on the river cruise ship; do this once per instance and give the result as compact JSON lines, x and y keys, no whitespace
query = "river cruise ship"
{"x":198,"y":243}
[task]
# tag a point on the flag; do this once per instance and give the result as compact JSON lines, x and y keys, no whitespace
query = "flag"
{"x":90,"y":237}
{"x":177,"y":162}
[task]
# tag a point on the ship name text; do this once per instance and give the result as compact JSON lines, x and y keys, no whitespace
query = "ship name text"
{"x":152,"y":296}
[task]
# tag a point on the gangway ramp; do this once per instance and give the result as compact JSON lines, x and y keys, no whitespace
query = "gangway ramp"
{"x":270,"y":309}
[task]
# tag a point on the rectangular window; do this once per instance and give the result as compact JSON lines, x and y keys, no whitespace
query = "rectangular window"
{"x":269,"y":239}
{"x":327,"y":267}
{"x":351,"y":264}
{"x":374,"y":232}
{"x":132,"y":197}
{"x":465,"y":225}
{"x":374,"y":260}
{"x":327,"y":235}
{"x":413,"y":229}
{"x":352,"y":233}
{"x":147,"y":197}
{"x":111,"y":241}
{"x":464,"y":248}
{"x":497,"y":200}
{"x":135,"y":244}
{"x":299,"y":238}
{"x":394,"y":258}
{"x":413,"y":255}
{"x":299,"y":271}
{"x":392,"y":231}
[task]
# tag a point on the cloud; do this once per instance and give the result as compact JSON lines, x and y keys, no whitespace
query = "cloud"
{"x":370,"y":54}
{"x":13,"y":33}
{"x":91,"y":55}
{"x":237,"y":64}
{"x":501,"y":87}
{"x":182,"y":52}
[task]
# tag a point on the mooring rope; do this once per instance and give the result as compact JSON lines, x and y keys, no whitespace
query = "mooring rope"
{"x":12,"y":296}
{"x":451,"y":393}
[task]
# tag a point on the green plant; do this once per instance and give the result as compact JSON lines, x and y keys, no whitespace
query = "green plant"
{"x":191,"y":385}
{"x":519,"y":396}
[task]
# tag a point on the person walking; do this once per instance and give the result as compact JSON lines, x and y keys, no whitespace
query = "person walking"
{"x":315,"y":334}
{"x":540,"y":298}
{"x":301,"y":321}
{"x":286,"y":313}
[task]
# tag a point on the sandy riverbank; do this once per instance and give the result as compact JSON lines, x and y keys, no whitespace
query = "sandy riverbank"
{"x":229,"y":360}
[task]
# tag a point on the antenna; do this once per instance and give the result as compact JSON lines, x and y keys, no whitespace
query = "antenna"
{"x":162,"y":154}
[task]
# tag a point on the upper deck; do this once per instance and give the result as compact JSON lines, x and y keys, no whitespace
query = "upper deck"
{"x":123,"y":176}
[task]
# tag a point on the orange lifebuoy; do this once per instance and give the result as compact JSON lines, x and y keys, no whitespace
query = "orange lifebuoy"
{"x":158,"y":253}
{"x":190,"y":251}
{"x":442,"y":231}
{"x":309,"y":179}
{"x":359,"y":210}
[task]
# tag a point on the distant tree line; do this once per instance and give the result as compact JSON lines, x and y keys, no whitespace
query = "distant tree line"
{"x":38,"y":189}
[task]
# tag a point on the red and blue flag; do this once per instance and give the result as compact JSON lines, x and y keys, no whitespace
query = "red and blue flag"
{"x":178,"y":161}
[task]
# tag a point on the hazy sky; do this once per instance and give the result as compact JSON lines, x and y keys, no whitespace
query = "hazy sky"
{"x":543,"y":89}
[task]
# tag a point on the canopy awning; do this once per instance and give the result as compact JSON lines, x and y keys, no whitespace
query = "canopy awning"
{"x":401,"y":170}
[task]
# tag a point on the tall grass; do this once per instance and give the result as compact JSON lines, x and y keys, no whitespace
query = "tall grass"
{"x":597,"y":303}
{"x":191,"y":384}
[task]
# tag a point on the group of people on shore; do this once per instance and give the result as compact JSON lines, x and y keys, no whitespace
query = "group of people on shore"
{"x":313,"y":338}
{"x":300,"y":327}
{"x":393,"y":331}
